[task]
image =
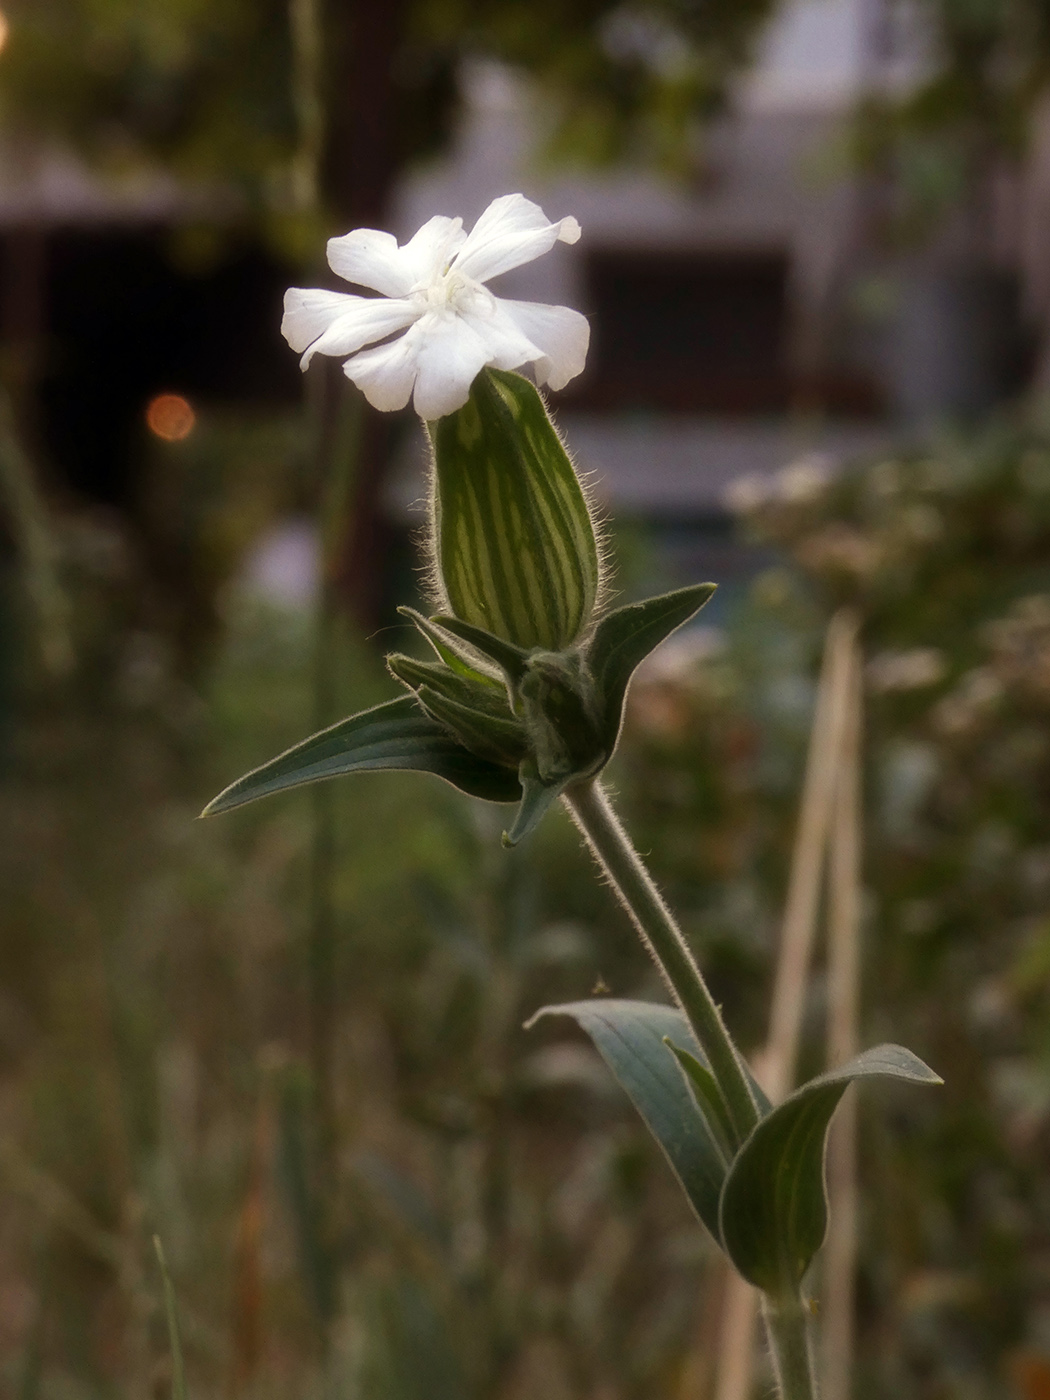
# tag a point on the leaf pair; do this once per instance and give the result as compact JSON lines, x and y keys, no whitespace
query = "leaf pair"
{"x":764,"y":1200}
{"x":464,"y":720}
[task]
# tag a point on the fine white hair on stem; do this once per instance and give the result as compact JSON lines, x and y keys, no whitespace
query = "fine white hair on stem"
{"x":431,"y":582}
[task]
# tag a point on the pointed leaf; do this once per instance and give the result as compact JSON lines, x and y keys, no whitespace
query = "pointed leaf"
{"x":487,"y":696}
{"x":774,"y":1211}
{"x":462,"y":659}
{"x":397,"y":735}
{"x":511,"y":658}
{"x":709,"y":1099}
{"x":624,"y":638}
{"x":493,"y":737}
{"x":516,"y":549}
{"x":630,"y":1036}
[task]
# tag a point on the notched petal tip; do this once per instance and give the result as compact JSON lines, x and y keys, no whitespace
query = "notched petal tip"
{"x":447,"y":344}
{"x":570,"y":230}
{"x":562,"y":334}
{"x":511,"y":231}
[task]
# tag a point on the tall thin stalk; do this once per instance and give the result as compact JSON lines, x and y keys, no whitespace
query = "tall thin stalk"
{"x":844,"y":884}
{"x":304,"y":25}
{"x":776,"y":1067}
{"x":22,"y":502}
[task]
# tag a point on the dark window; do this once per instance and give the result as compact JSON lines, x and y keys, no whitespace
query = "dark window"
{"x":122,"y":320}
{"x":682,"y":330}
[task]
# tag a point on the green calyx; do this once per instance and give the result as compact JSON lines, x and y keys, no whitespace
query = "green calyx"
{"x":560,"y":717}
{"x":497,"y":720}
{"x":513,"y":539}
{"x":525,"y":691}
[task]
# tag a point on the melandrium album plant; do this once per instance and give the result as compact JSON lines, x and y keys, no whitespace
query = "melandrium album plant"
{"x":522,"y":700}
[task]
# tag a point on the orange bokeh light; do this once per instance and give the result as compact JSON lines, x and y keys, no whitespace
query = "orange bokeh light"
{"x":170,"y":417}
{"x":4,"y":29}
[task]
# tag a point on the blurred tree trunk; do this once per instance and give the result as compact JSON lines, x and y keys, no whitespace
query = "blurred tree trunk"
{"x":361,"y":162}
{"x":23,"y":318}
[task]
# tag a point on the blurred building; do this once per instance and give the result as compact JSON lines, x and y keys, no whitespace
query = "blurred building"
{"x":114,"y":291}
{"x":740,"y":318}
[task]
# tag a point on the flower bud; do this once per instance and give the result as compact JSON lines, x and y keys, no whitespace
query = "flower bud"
{"x":514,"y":541}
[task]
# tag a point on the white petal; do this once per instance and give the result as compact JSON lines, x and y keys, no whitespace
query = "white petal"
{"x":511,"y":231}
{"x":506,"y":344}
{"x":336,"y":323}
{"x":308,"y":313}
{"x":374,"y":318}
{"x":429,"y":251}
{"x":386,"y":373}
{"x":371,"y":258}
{"x":451,"y":355}
{"x":561,"y":334}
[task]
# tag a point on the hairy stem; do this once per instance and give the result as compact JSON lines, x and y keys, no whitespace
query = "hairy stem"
{"x":787,"y":1326}
{"x":611,"y":847}
{"x":786,"y":1322}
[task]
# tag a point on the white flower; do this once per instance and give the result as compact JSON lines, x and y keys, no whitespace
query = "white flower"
{"x":432,"y":289}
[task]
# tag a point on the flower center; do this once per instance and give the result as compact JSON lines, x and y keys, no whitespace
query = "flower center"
{"x":452,"y":292}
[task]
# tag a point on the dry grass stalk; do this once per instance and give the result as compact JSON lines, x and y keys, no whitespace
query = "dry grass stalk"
{"x":815,"y":823}
{"x":844,"y":886}
{"x":776,"y":1066}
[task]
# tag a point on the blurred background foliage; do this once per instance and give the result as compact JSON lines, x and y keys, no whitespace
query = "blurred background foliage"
{"x":226,"y":93}
{"x":492,"y":1222}
{"x":477,"y":1214}
{"x":221,"y":93}
{"x":972,"y":80}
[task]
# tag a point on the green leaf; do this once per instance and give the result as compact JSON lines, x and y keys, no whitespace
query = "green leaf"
{"x":774,"y":1212}
{"x":171,"y":1312}
{"x":494,"y":737}
{"x":624,"y":638}
{"x":709,"y":1099}
{"x":516,"y":550}
{"x":630,"y":1036}
{"x":397,"y":735}
{"x":511,"y":658}
{"x":457,"y":657}
{"x":488,"y":696}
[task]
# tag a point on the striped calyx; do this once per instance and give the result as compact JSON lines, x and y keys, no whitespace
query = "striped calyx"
{"x":513,"y":535}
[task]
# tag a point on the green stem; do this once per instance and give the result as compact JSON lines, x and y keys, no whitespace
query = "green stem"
{"x":786,"y":1322}
{"x":787,"y":1326}
{"x":611,"y":847}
